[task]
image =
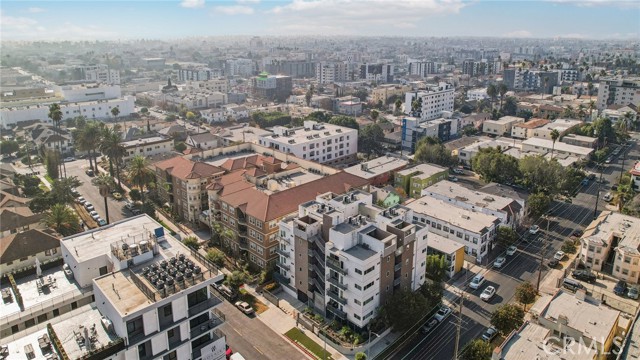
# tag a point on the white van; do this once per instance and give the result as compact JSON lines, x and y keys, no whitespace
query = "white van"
{"x":476,"y":282}
{"x":237,"y":356}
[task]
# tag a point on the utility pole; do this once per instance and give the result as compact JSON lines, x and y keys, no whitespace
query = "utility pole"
{"x":459,"y":325}
{"x":595,"y":210}
{"x":624,"y":156}
{"x":542,"y":252}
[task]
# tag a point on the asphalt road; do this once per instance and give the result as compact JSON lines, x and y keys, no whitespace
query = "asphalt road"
{"x":522,"y":266}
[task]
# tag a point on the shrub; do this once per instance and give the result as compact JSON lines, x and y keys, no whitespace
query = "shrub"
{"x":569,"y":247}
{"x":135,"y":195}
{"x":318,"y":318}
{"x":192,"y":242}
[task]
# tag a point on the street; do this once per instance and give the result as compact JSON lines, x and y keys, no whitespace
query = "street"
{"x":522,"y":266}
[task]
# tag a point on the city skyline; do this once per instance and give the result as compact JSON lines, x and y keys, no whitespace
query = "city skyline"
{"x":116,"y":20}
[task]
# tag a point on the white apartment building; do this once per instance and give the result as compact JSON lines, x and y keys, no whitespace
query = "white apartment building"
{"x":618,"y":91}
{"x":526,"y":130}
{"x":151,"y":290}
{"x":501,"y":126}
{"x":196,"y":99}
{"x":214,"y":115}
{"x":240,"y":67}
{"x":509,"y":211}
{"x":475,"y":230}
{"x":331,"y":72}
{"x":436,"y":100}
{"x":544,"y":146}
{"x":423,"y":68}
{"x":355,"y":255}
{"x":198,"y":74}
{"x":100,"y":73}
{"x":477,"y":94}
{"x":147,"y":147}
{"x":563,"y":126}
{"x":215,"y":85}
{"x":323,"y":143}
{"x":88,"y":92}
{"x":100,"y":109}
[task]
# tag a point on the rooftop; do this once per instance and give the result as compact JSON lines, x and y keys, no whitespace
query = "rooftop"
{"x":426,"y":171}
{"x":183,"y":168}
{"x":375,"y":167}
{"x":307,"y":133}
{"x":506,"y":120}
{"x":610,"y":224}
{"x":580,"y":138}
{"x":144,"y":141}
{"x":559,"y":146}
{"x":359,"y":252}
{"x":473,"y":221}
{"x":533,"y":123}
{"x":443,"y":244}
{"x":527,"y":343}
{"x":479,"y":199}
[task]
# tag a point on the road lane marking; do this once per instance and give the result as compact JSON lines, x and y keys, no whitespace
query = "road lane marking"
{"x":261,"y":353}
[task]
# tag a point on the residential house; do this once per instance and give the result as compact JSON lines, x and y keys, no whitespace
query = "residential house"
{"x":525,"y":130}
{"x":501,"y":126}
{"x":18,"y":251}
{"x":147,"y":146}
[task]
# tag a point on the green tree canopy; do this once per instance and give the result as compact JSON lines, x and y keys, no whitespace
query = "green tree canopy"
{"x":403,"y":309}
{"x":429,"y":152}
{"x":9,"y":146}
{"x":506,"y":236}
{"x":539,"y":203}
{"x":526,"y":294}
{"x":477,"y":349}
{"x":62,"y":219}
{"x":370,"y":139}
{"x":61,"y":189}
{"x":269,"y":119}
{"x":345,"y":121}
{"x":236,"y":279}
{"x":493,"y":165}
{"x":507,"y":318}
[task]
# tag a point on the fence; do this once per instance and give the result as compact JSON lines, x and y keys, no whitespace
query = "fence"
{"x":271,"y":297}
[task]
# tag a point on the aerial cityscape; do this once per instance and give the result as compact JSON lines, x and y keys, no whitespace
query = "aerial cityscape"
{"x":320,"y":179}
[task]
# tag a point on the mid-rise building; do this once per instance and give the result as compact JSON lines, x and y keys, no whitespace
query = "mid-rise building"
{"x":413,"y":180}
{"x":321,"y":142}
{"x":618,"y":91}
{"x":432,"y":103}
{"x":100,"y":73}
{"x":331,"y":72}
{"x":384,"y":92}
{"x":271,"y":87}
{"x":474,"y":230}
{"x":423,"y":68}
{"x":501,"y":126}
{"x":530,"y":80}
{"x":186,"y":182}
{"x":414,"y":129}
{"x":148,"y":146}
{"x":378,"y":73}
{"x":293,"y":68}
{"x":213,"y":84}
{"x":379,"y":171}
{"x":240,"y":67}
{"x":477,"y":94}
{"x":345,"y":257}
{"x":198,"y":74}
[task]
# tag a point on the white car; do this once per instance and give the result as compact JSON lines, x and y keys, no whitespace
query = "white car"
{"x":559,"y":255}
{"x":458,"y":171}
{"x":607,"y":197}
{"x":511,"y":250}
{"x":453,"y":178}
{"x":94,"y":215}
{"x":244,"y":307}
{"x":443,"y":313}
{"x":534,"y":229}
{"x":476,"y":282}
{"x":499,"y":262}
{"x":89,"y":206}
{"x":81,"y":200}
{"x":489,"y":334}
{"x":488,"y":293}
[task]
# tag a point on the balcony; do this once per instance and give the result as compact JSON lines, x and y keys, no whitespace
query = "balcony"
{"x":216,"y":319}
{"x":316,"y":255}
{"x":317,"y":269}
{"x":396,"y":282}
{"x":243,"y":243}
{"x":242,"y":230}
{"x":242,"y":220}
{"x":335,"y":265}
{"x":197,"y":351}
{"x":319,"y":245}
{"x":283,"y":253}
{"x":337,"y":283}
{"x":318,"y":285}
{"x":280,"y":278}
{"x":207,"y":304}
{"x":339,"y":313}
{"x":335,"y":296}
{"x":282,"y":265}
{"x":397,"y":267}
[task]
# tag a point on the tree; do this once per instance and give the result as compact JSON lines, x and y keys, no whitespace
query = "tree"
{"x":115,"y":112}
{"x":135,"y":195}
{"x":470,"y":130}
{"x":492,"y":92}
{"x":404,"y":309}
{"x":396,"y":107}
{"x":104,"y":183}
{"x":192,"y":242}
{"x":88,"y":139}
{"x":502,"y":90}
{"x":144,"y":111}
{"x":215,"y":256}
{"x":506,"y":236}
{"x":540,"y":174}
{"x":9,"y":146}
{"x":374,"y":115}
{"x":62,"y":219}
{"x":433,"y":153}
{"x":52,"y":164}
{"x":180,"y":147}
{"x":507,"y":318}
{"x":190,"y":116}
{"x":236,"y":279}
{"x":218,"y":233}
{"x":477,"y":349}
{"x":370,"y":139}
{"x":555,"y":134}
{"x":625,"y":191}
{"x":494,"y":166}
{"x":436,"y":268}
{"x":538,"y":204}
{"x":510,"y":106}
{"x":309,"y":95}
{"x":55,"y":114}
{"x":591,"y":107}
{"x":345,"y":121}
{"x":148,"y":208}
{"x":111,"y":146}
{"x":61,"y":189}
{"x":569,"y":246}
{"x":361,"y":356}
{"x":361,"y":94}
{"x":525,"y":113}
{"x":526,"y":294}
{"x":139,"y":173}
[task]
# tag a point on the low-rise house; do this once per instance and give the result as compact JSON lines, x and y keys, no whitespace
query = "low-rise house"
{"x":526,"y":130}
{"x":501,"y":126}
{"x":563,"y":126}
{"x":544,"y":146}
{"x":18,"y":252}
{"x":18,"y":219}
{"x":579,"y":140}
{"x":214,"y":115}
{"x":203,"y":141}
{"x":236,"y":112}
{"x":148,"y":146}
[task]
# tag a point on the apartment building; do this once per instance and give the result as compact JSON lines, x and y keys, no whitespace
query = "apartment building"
{"x":544,"y":146}
{"x":436,"y":100}
{"x":379,"y":171}
{"x":252,"y":213}
{"x":579,"y":140}
{"x":509,"y":211}
{"x":477,"y":94}
{"x":240,"y":67}
{"x":382,"y":73}
{"x":271,"y":87}
{"x":198,"y":74}
{"x":563,"y":126}
{"x":423,"y":68}
{"x":618,"y":91}
{"x":452,"y":251}
{"x":150,"y":290}
{"x":610,"y":244}
{"x":501,"y":126}
{"x":467,"y":153}
{"x":211,"y":84}
{"x":474,"y":230}
{"x":100,"y":73}
{"x":331,"y":72}
{"x":635,"y":176}
{"x":148,"y":146}
{"x":186,"y":183}
{"x":344,"y":256}
{"x":320,"y":142}
{"x":413,"y":180}
{"x":414,"y":129}
{"x":384,"y":92}
{"x":293,"y":68}
{"x":525,"y":130}
{"x":195,"y":99}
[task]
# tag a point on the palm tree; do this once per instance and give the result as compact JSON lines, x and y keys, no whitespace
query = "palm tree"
{"x":55,"y":114}
{"x":568,"y":112}
{"x":592,"y":106}
{"x":502,"y":90}
{"x":105,"y":183}
{"x":397,"y":106}
{"x":88,"y":139}
{"x":62,"y":219}
{"x":62,"y":189}
{"x":581,"y":112}
{"x":492,"y":92}
{"x":113,"y":149}
{"x":555,"y":134}
{"x":624,"y":192}
{"x":629,"y":119}
{"x":139,"y":173}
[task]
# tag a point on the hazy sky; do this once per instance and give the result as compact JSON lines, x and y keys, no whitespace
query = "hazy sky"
{"x":90,"y":19}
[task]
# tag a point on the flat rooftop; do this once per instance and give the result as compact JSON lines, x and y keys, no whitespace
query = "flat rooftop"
{"x":375,"y":167}
{"x":443,"y":244}
{"x":504,"y":144}
{"x":505,"y":120}
{"x":144,"y":141}
{"x":469,"y":220}
{"x":301,"y":135}
{"x":608,"y":224}
{"x":479,"y":199}
{"x":528,"y":344}
{"x":559,"y":146}
{"x":360,"y":252}
{"x":426,"y":170}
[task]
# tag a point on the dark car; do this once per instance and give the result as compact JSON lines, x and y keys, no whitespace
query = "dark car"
{"x":553,"y":263}
{"x":584,"y":276}
{"x":620,"y":288}
{"x":577,"y":233}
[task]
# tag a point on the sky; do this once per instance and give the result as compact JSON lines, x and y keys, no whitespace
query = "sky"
{"x":123,"y":20}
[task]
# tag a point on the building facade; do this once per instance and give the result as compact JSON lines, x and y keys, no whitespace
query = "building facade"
{"x":414,"y":180}
{"x":618,"y":91}
{"x":271,"y":87}
{"x":331,"y":72}
{"x":435,"y":101}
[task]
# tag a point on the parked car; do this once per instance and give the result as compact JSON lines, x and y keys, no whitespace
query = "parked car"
{"x":553,"y":263}
{"x":102,"y":222}
{"x":89,"y":172}
{"x":633,"y":293}
{"x":488,"y":293}
{"x":489,"y":334}
{"x":614,"y":187}
{"x":559,"y":255}
{"x":89,"y":206}
{"x":607,"y":197}
{"x":75,"y":192}
{"x":458,"y":171}
{"x":94,"y":215}
{"x":443,"y":313}
{"x":620,"y":288}
{"x":608,"y":161}
{"x":499,"y":262}
{"x":81,"y":200}
{"x":244,"y":307}
{"x":476,"y":282}
{"x":584,"y":182}
{"x":534,"y":229}
{"x":584,"y":275}
{"x":70,"y":158}
{"x":453,"y":178}
{"x":429,"y":326}
{"x":511,"y":250}
{"x":136,"y":212}
{"x":577,"y":233}
{"x":129,"y":205}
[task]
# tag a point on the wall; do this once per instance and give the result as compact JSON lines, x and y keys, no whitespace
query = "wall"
{"x":18,"y":265}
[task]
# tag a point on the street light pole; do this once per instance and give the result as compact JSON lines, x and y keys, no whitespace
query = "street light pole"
{"x":624,"y":156}
{"x":595,"y":210}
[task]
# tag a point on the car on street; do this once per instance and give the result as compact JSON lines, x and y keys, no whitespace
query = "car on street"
{"x":607,"y":197}
{"x":135,"y":212}
{"x":511,"y":250}
{"x":129,"y":205}
{"x":443,"y":313}
{"x":553,"y":263}
{"x":584,"y":275}
{"x":429,"y":326}
{"x":458,"y":171}
{"x":534,"y":229}
{"x":488,"y":293}
{"x":94,"y":215}
{"x":577,"y":233}
{"x":633,"y":293}
{"x":102,"y":222}
{"x":620,"y":288}
{"x":69,"y":159}
{"x":591,"y":176}
{"x":244,"y":307}
{"x":559,"y":255}
{"x":89,"y":172}
{"x":608,"y":161}
{"x":489,"y":334}
{"x":476,"y":282}
{"x":81,"y":200}
{"x":453,"y":178}
{"x":584,"y":182}
{"x":75,"y":192}
{"x":89,"y":206}
{"x":500,"y":261}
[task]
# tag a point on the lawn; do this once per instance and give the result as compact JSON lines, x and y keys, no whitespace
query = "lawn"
{"x":256,"y":304}
{"x":301,"y":338}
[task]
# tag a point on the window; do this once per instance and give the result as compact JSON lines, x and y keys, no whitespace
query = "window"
{"x":369,"y":270}
{"x":357,"y":302}
{"x":368,"y":300}
{"x":142,"y":350}
{"x":358,"y":287}
{"x":368,"y":285}
{"x":135,"y":327}
{"x":167,"y":311}
{"x":358,"y":271}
